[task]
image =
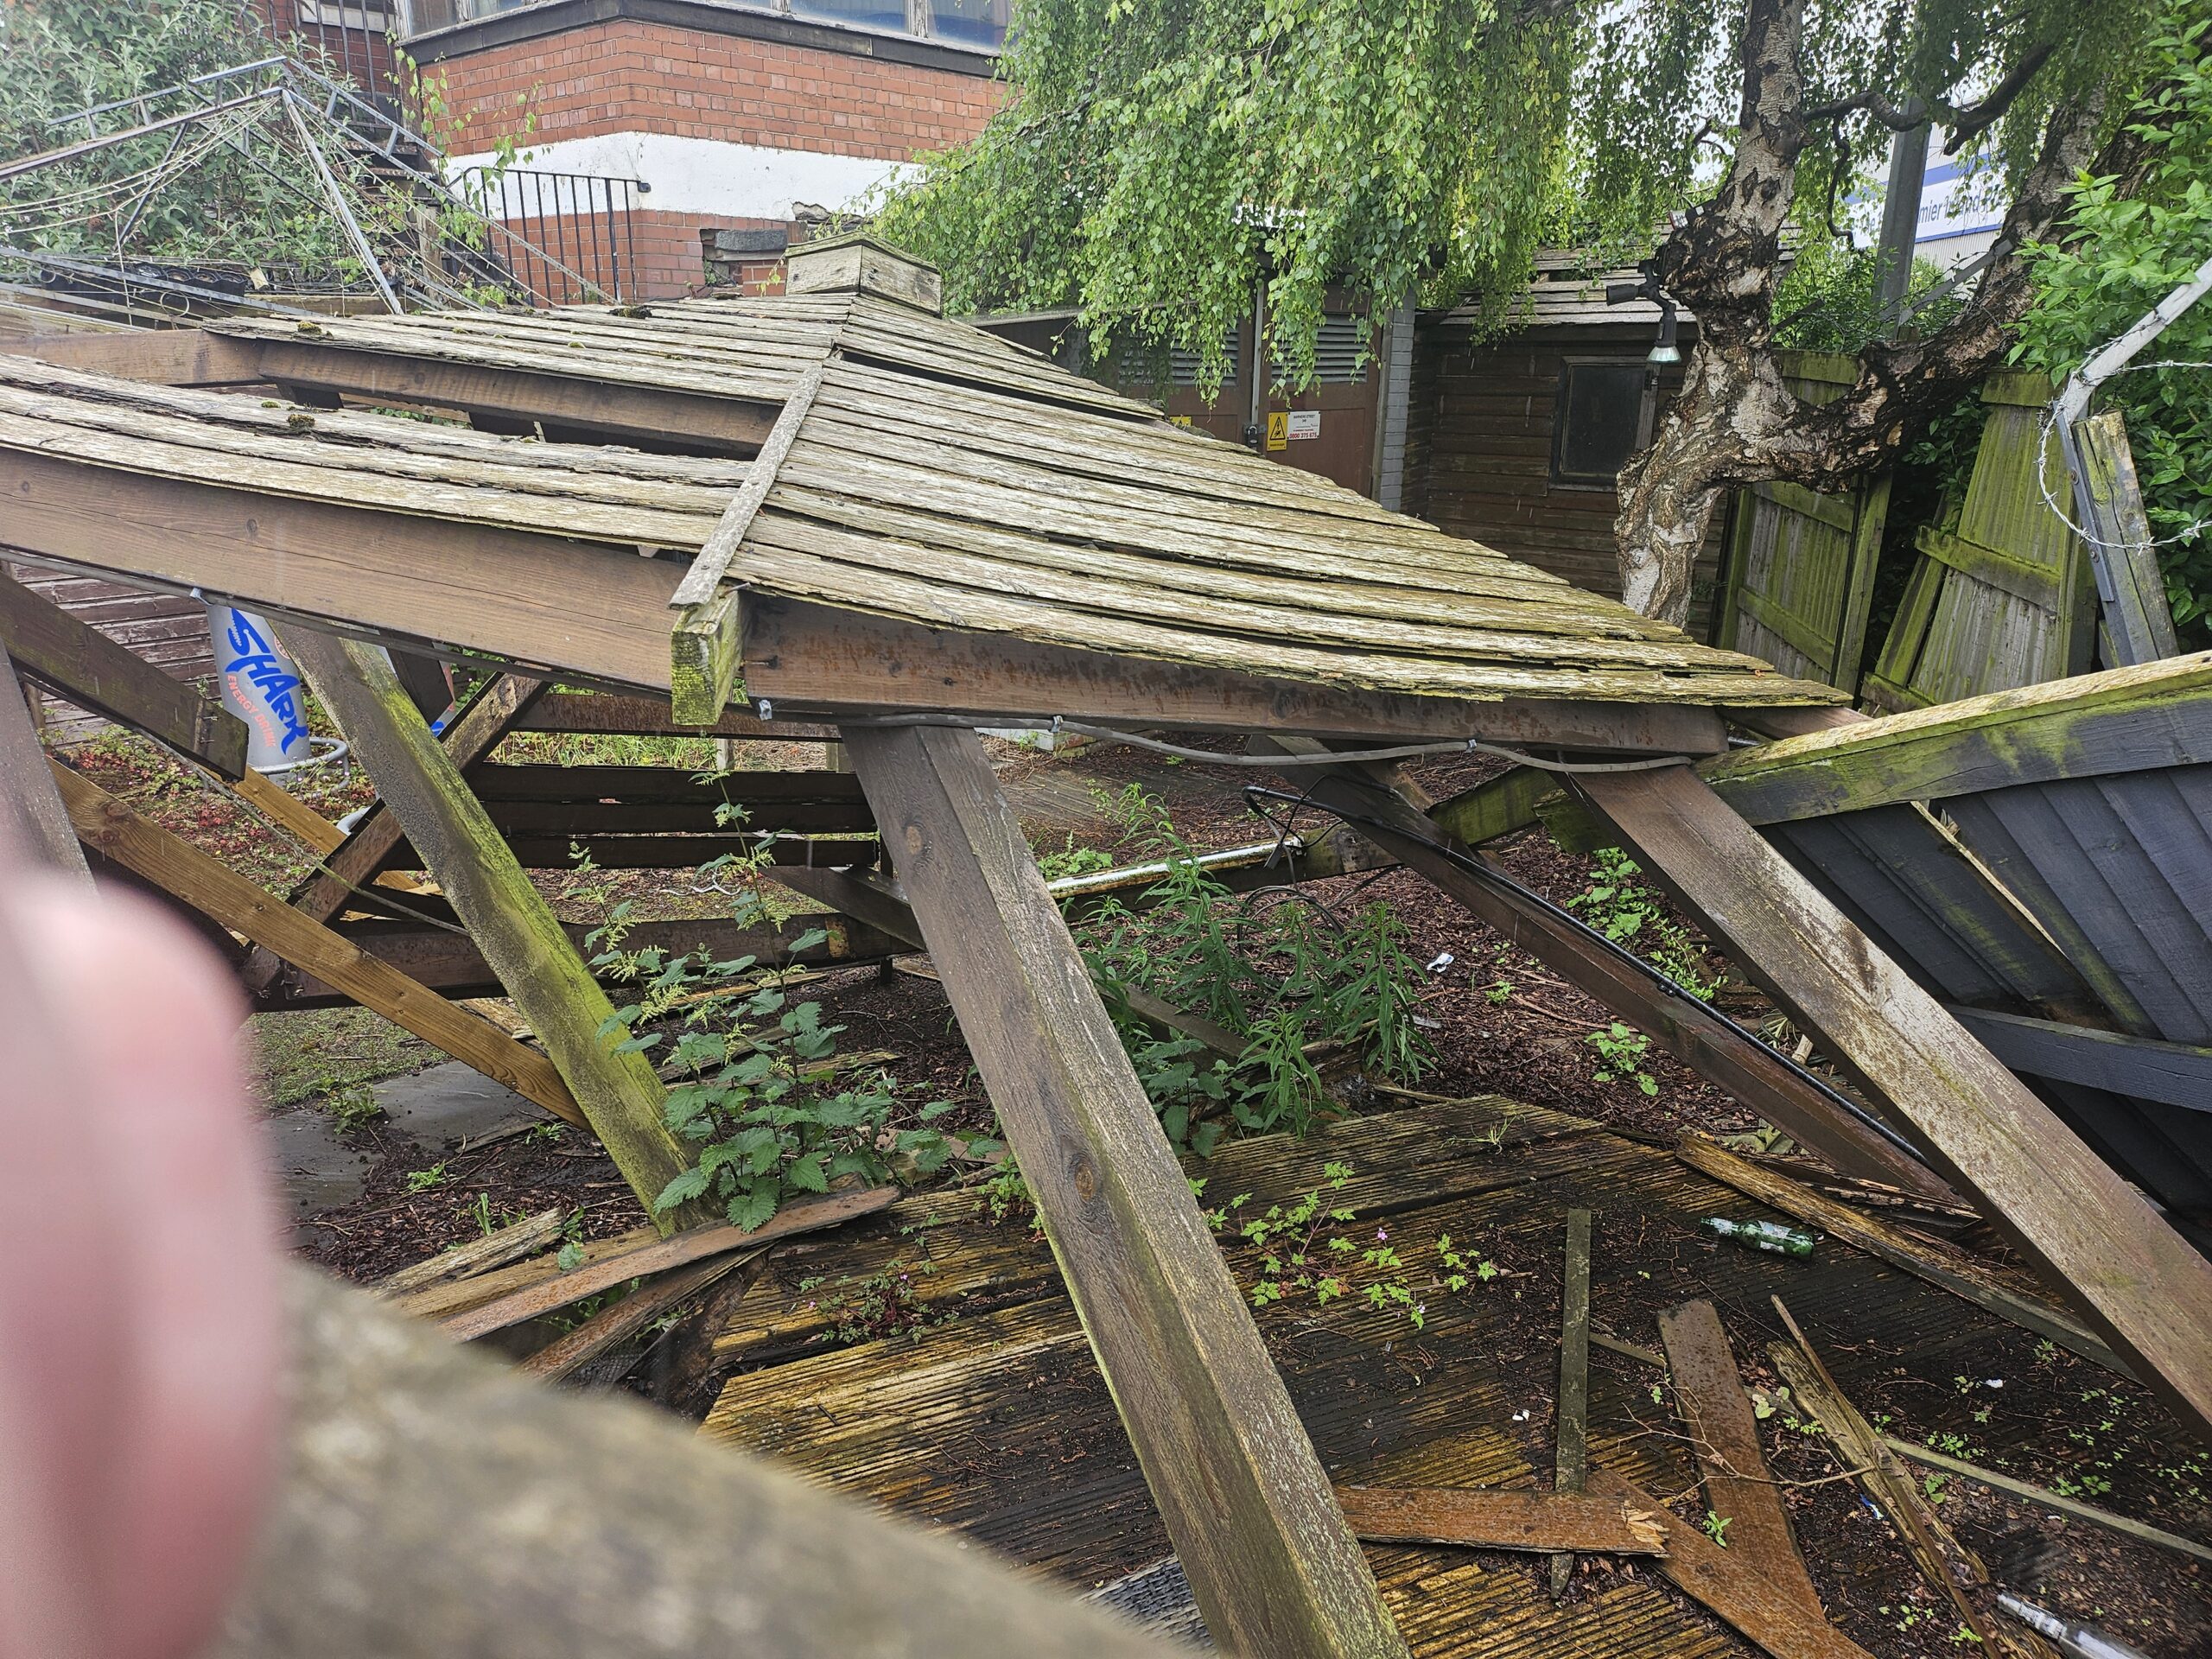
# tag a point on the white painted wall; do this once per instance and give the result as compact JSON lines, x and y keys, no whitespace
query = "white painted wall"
{"x":706,"y":176}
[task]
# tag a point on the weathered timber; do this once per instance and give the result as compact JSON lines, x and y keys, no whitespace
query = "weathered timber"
{"x":1272,"y":1564}
{"x":80,"y":662}
{"x":453,"y":964}
{"x":2090,"y":1233}
{"x":527,"y":1524}
{"x":812,"y":660}
{"x":33,"y":822}
{"x":2139,"y":622}
{"x":618,"y":1323}
{"x":658,"y":1256}
{"x":1489,"y":1519}
{"x":168,"y":357}
{"x":1942,"y":1559}
{"x":2044,"y":1497}
{"x":1572,"y":1465}
{"x":507,"y":918}
{"x":495,"y":1249}
{"x":1943,"y":1265}
{"x":183,"y":870}
{"x":584,"y":711}
{"x":1770,"y":1615}
{"x":355,"y":862}
{"x":1724,"y":1440}
{"x":1707,"y":1042}
{"x":451,"y":1296}
{"x":1497,"y":806}
{"x":704,"y":642}
{"x":2123,"y":720}
{"x":2177,"y":1074}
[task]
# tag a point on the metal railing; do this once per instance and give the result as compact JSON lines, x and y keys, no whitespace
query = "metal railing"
{"x":351,"y":38}
{"x":568,"y":236}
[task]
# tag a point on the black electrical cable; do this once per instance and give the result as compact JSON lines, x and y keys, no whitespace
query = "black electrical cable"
{"x":1497,"y":881}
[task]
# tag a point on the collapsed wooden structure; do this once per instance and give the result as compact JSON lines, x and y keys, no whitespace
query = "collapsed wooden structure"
{"x":855,"y":513}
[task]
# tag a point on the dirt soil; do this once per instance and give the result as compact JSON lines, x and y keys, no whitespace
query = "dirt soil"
{"x":1499,"y":1021}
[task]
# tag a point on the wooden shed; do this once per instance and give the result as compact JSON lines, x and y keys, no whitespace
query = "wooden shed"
{"x":858,"y":513}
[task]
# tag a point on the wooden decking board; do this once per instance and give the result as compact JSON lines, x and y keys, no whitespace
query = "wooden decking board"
{"x":997,"y":1424}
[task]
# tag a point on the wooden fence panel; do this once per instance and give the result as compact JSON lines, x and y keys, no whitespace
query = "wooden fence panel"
{"x":2006,"y":598}
{"x":1801,"y":565}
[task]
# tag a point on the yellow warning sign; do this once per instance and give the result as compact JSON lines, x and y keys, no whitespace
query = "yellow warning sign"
{"x":1279,"y":429}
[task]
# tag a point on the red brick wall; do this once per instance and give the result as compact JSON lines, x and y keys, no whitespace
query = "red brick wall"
{"x":628,"y":76}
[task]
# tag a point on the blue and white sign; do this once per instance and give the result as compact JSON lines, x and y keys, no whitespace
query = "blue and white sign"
{"x":262,"y":686}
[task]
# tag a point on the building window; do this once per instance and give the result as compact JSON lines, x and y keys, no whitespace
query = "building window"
{"x":1599,"y":420}
{"x":980,"y":24}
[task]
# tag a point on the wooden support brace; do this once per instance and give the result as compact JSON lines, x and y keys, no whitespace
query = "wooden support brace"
{"x":1709,"y":1043}
{"x":1274,"y":1567}
{"x":209,"y":886}
{"x":1572,"y":1466}
{"x":510,"y":921}
{"x":33,"y":822}
{"x":2093,"y":1236}
{"x":80,"y":662}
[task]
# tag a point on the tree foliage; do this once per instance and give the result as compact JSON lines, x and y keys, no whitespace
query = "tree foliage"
{"x":2131,"y":242}
{"x":1157,"y":158}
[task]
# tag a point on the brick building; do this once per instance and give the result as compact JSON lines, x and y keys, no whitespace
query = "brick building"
{"x":731,"y":119}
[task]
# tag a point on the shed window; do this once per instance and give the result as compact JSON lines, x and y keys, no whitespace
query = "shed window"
{"x":1600,"y":418}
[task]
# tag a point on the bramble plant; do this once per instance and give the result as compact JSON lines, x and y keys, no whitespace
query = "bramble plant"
{"x":759,"y":1088}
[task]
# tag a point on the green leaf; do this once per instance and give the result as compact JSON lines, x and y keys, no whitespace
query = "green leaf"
{"x":685,"y":1186}
{"x":752,"y":1207}
{"x":808,"y":1175}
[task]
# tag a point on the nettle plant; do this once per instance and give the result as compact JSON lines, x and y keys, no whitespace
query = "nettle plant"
{"x":1633,"y":915}
{"x":757,"y":1084}
{"x":1289,"y":978}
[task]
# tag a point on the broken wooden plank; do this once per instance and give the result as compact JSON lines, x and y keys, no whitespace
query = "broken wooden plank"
{"x":550,"y":1296}
{"x":1724,"y":1440}
{"x":33,"y":820}
{"x":1776,"y":1620}
{"x":496,"y":1249}
{"x":613,"y":1326}
{"x":1706,"y":1041}
{"x":1571,"y":1464}
{"x":78,"y":662}
{"x":1271,"y":1562}
{"x":2091,"y":1233}
{"x":508,"y":919}
{"x":1486,"y":1518}
{"x":1860,"y":1450}
{"x":2138,"y":621}
{"x":207,"y":884}
{"x":2044,"y":1497}
{"x":1940,"y":1264}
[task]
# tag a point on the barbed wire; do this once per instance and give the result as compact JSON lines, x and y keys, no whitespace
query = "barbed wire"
{"x":2048,"y":424}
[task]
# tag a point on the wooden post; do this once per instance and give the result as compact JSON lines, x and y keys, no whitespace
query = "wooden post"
{"x":510,"y":921}
{"x":2139,"y":623}
{"x":1572,"y":1466}
{"x":2093,"y":1235}
{"x":33,"y":820}
{"x":1274,"y":1567}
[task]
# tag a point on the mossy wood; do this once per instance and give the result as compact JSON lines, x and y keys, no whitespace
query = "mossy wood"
{"x":1571,"y":1465}
{"x":80,"y":662}
{"x":179,"y":869}
{"x":2138,"y":621}
{"x":1273,"y":1567}
{"x":1483,"y":1519}
{"x":2090,"y":1232}
{"x":1798,"y":581}
{"x":34,"y":822}
{"x":510,"y":922}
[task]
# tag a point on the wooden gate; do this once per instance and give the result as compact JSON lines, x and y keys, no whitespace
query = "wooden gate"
{"x":1801,"y":565}
{"x":2006,"y":598}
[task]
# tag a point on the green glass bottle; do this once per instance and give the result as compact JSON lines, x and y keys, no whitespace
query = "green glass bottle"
{"x":1763,"y":1235}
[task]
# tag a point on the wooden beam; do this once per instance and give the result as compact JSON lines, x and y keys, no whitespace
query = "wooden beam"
{"x":165,"y":357}
{"x":1273,"y":1565}
{"x":552,"y":988}
{"x":1497,"y":806}
{"x":2123,"y":720}
{"x":1571,"y":1467}
{"x":78,"y":662}
{"x":2092,"y":1234}
{"x":212,"y":888}
{"x":1725,"y":1441}
{"x":815,"y":660}
{"x":594,"y":611}
{"x":618,"y":1323}
{"x":2139,"y":622}
{"x":2173,"y":1074}
{"x":355,"y":862}
{"x":585,"y":711}
{"x":1710,"y":1043}
{"x":1942,"y":1265}
{"x":1489,"y":1519}
{"x":33,"y":822}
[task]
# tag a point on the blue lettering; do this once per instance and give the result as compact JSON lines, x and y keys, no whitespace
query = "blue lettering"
{"x":257,"y":660}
